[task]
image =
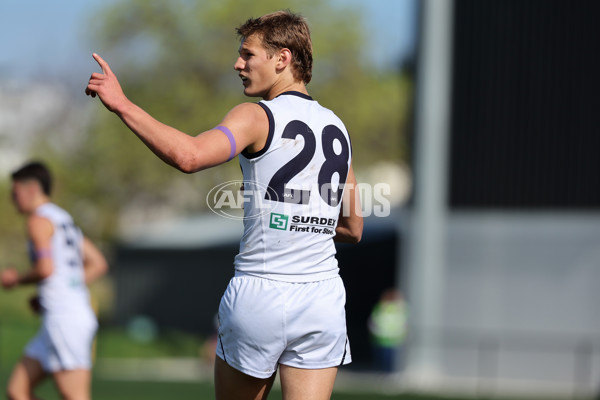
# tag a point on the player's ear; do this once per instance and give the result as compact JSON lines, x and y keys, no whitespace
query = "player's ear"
{"x":285,"y":58}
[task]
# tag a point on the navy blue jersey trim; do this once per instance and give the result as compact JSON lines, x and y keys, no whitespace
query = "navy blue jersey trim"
{"x":345,"y":349}
{"x":262,"y":151}
{"x":223,"y":349}
{"x":295,"y":93}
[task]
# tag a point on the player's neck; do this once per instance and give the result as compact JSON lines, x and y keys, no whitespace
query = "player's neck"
{"x":37,"y":203}
{"x":293,"y":86}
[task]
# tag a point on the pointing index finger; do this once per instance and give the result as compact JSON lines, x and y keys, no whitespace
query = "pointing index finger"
{"x":103,"y":64}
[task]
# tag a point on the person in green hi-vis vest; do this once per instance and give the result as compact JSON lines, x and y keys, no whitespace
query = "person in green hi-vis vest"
{"x":387,"y":325}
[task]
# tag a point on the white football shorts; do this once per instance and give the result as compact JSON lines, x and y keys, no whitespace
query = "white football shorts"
{"x":264,"y":323}
{"x":63,"y":343}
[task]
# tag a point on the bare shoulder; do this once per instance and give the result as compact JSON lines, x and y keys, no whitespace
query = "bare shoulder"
{"x":249,"y":113}
{"x":39,"y":227}
{"x":250,"y":125}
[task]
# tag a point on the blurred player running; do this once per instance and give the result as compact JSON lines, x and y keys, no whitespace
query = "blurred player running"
{"x":284,"y":308}
{"x":64,"y":262}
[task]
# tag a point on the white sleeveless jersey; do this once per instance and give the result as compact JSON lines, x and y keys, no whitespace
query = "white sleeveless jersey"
{"x":293,"y":191}
{"x":64,"y":291}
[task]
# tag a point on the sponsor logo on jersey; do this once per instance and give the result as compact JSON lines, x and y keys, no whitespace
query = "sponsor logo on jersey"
{"x":318,"y":225}
{"x":278,"y":221}
{"x":304,"y":219}
{"x":302,"y":223}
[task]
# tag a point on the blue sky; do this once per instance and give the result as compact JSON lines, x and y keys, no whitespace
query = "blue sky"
{"x":43,"y":38}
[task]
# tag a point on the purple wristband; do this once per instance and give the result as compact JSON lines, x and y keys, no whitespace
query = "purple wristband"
{"x":229,"y":135}
{"x":43,"y":253}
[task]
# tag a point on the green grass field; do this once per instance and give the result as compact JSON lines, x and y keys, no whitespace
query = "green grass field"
{"x":104,"y":389}
{"x":128,"y":390}
{"x":115,"y":343}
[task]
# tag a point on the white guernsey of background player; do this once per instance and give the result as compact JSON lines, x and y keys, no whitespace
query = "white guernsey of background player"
{"x":64,"y":262}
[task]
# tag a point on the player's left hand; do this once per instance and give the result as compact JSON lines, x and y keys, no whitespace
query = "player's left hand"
{"x":9,"y":278}
{"x":106,"y":86}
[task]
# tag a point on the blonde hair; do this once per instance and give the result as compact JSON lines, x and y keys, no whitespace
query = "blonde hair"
{"x":283,"y":29}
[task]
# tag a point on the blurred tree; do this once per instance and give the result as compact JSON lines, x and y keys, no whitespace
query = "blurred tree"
{"x":175,"y":59}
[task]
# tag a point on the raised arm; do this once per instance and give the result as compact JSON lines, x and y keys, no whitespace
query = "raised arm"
{"x":39,"y":230}
{"x":350,"y":222}
{"x":247,"y":124}
{"x":94,"y":263}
